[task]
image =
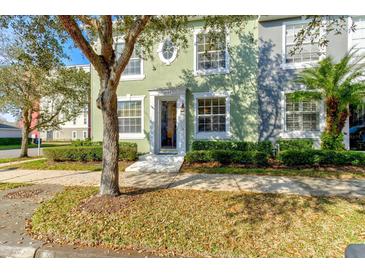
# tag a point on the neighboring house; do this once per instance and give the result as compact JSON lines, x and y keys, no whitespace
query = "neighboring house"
{"x":9,"y":131}
{"x":277,"y":68}
{"x":77,"y":129}
{"x":209,"y":92}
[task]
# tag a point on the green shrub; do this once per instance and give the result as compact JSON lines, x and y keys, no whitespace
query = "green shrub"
{"x":330,"y":142}
{"x":321,"y":157}
{"x":12,"y":141}
{"x":227,"y":157}
{"x":263,"y":146}
{"x":127,"y":152}
{"x":295,"y":144}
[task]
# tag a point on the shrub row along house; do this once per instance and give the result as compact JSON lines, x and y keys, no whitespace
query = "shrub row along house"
{"x":233,"y":88}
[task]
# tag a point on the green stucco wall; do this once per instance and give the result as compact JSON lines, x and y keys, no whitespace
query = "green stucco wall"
{"x":241,"y":82}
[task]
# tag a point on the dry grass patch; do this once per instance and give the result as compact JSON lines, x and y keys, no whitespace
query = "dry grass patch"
{"x":173,"y":222}
{"x":6,"y":186}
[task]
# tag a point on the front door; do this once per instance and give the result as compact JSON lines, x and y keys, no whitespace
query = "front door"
{"x":168,"y":126}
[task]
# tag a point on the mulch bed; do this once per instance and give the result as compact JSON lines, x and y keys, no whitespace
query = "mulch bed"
{"x":109,"y":204}
{"x":23,"y":194}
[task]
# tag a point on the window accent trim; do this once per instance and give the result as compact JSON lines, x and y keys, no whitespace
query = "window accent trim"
{"x":132,"y":77}
{"x":160,"y":53}
{"x":217,"y":134}
{"x":350,"y":33}
{"x":300,"y":65}
{"x":137,"y":136}
{"x":298,"y":134}
{"x":72,"y":135}
{"x":196,"y":72}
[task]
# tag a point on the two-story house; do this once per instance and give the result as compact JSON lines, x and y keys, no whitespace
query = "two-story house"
{"x":230,"y":89}
{"x":283,"y":118}
{"x":205,"y":91}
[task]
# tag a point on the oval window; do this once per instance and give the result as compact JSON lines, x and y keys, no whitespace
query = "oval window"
{"x":167,"y":51}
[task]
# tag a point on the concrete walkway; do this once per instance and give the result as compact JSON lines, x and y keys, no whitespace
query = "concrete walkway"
{"x":157,"y":164}
{"x":262,"y":184}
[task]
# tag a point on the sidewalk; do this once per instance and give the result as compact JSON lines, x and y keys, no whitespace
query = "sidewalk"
{"x":227,"y":182}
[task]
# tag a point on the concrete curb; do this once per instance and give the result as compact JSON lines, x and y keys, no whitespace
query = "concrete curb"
{"x":17,"y":252}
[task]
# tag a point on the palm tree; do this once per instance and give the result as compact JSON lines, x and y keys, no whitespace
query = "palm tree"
{"x":339,"y":85}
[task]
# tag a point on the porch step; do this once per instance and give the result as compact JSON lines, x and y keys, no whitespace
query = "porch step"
{"x":157,"y":164}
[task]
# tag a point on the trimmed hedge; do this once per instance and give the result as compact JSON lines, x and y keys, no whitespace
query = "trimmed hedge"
{"x":227,"y":157}
{"x":295,"y":144}
{"x":127,"y":152}
{"x":263,"y":146}
{"x":13,"y":141}
{"x":321,"y":157}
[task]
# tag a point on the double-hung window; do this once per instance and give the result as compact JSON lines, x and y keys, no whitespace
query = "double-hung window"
{"x":130,"y":118}
{"x":211,"y":55}
{"x":134,"y":68}
{"x":212,"y":114}
{"x":310,"y":51}
{"x":358,"y":36}
{"x":301,"y":115}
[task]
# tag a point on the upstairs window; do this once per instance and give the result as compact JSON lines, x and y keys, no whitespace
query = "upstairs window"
{"x":309,"y":52}
{"x":134,"y":66}
{"x":210,"y":53}
{"x":301,"y":115}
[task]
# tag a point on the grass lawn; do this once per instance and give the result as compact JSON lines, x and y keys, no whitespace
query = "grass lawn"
{"x":203,"y":223}
{"x":329,"y":172}
{"x":5,"y":147}
{"x":5,"y":186}
{"x":44,"y":164}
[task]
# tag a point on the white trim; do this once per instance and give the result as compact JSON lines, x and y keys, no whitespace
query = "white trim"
{"x":300,"y":65}
{"x":136,"y":136}
{"x":298,"y":133}
{"x":160,"y":53}
{"x":72,"y":135}
{"x":84,"y":133}
{"x":212,"y":135}
{"x":156,"y":96}
{"x":226,"y":70}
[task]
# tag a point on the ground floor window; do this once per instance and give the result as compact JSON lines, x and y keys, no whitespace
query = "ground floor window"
{"x":130,"y":116}
{"x":84,"y":135}
{"x":74,"y":135}
{"x":212,"y":114}
{"x":301,"y":115}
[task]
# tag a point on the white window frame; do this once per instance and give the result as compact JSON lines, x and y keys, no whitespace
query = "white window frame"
{"x":210,"y":71}
{"x":213,"y":134}
{"x":134,"y":77}
{"x":350,"y":33}
{"x":297,"y":134}
{"x":72,"y":135}
{"x":84,"y":135}
{"x":299,"y":65}
{"x":140,"y":135}
{"x":160,"y":53}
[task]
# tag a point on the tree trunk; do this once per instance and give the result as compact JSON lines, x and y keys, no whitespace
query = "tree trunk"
{"x":24,"y":145}
{"x":107,"y":102}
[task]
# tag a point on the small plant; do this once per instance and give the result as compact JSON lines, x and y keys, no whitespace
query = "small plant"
{"x":332,"y":142}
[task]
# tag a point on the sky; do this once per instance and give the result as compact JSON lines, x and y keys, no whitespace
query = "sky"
{"x":76,"y":58}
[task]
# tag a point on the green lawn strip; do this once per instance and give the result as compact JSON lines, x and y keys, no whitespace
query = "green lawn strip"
{"x":44,"y":164}
{"x":5,"y":186}
{"x":205,"y":223}
{"x":306,"y":172}
{"x":5,"y":147}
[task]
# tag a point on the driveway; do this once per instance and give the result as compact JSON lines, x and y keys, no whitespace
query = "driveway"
{"x":13,"y":153}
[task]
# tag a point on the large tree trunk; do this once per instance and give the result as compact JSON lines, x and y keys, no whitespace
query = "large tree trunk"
{"x":107,"y":102}
{"x":24,"y":145}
